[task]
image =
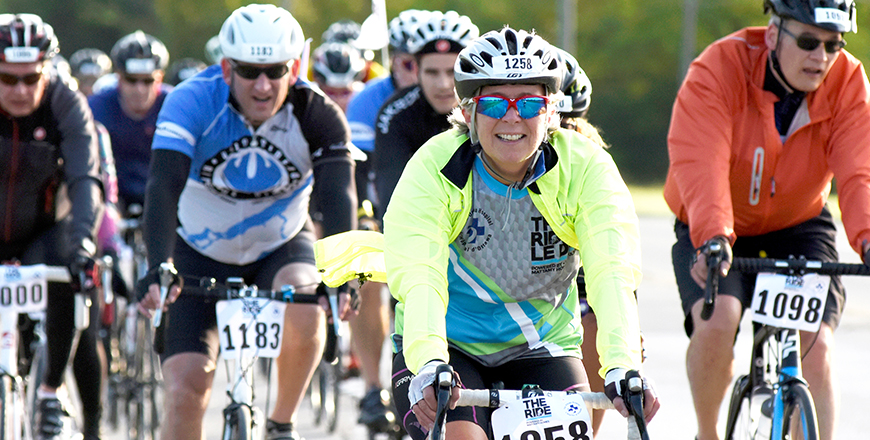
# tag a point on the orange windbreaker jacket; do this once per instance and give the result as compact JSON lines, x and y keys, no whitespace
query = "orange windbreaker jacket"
{"x":730,"y":174}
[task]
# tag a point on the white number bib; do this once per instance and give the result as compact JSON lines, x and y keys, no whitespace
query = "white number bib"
{"x":787,"y":301}
{"x":23,"y":288}
{"x":250,"y":324}
{"x":555,"y":415}
{"x":508,"y":64}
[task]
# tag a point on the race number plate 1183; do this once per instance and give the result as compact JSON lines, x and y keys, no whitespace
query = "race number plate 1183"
{"x":790,"y":301}
{"x":551,"y":416}
{"x":250,"y":324}
{"x":23,"y":288}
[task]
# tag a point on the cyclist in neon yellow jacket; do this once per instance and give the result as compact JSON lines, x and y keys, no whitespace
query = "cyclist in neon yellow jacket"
{"x":484,"y":236}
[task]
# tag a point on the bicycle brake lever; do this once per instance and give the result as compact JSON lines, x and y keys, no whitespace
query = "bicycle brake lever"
{"x":443,"y":386}
{"x":167,"y":275}
{"x":634,"y":400}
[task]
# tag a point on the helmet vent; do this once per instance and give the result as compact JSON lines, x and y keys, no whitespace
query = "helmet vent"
{"x":511,"y":39}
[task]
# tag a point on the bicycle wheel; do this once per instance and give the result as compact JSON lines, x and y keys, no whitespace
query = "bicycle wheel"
{"x":7,"y":417}
{"x":237,"y":423}
{"x":315,"y":395}
{"x":144,"y":403}
{"x":738,"y":425}
{"x":34,"y":380}
{"x":799,"y":403}
{"x":333,"y":384}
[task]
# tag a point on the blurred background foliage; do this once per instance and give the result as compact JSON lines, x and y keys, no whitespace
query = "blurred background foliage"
{"x":629,"y":48}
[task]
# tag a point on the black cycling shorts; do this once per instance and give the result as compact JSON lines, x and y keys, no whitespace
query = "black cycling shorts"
{"x":191,"y":322}
{"x":813,"y":239}
{"x":560,"y":374}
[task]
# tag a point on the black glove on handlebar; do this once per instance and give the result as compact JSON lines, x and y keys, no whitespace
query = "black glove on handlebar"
{"x":718,"y":244}
{"x":84,"y":273}
{"x":153,"y":277}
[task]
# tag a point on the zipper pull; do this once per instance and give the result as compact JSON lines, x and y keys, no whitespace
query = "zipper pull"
{"x":772,"y":187}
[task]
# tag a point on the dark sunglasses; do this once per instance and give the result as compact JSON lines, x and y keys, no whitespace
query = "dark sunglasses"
{"x":13,"y":80}
{"x":810,"y":43}
{"x":133,"y":80}
{"x":251,"y":72}
{"x":528,"y":106}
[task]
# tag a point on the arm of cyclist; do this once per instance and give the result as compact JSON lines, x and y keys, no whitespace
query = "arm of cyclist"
{"x":609,"y":244}
{"x":167,"y":177}
{"x":81,"y":162}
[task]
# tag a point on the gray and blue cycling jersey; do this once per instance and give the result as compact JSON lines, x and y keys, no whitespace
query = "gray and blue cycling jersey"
{"x":509,"y":266}
{"x":362,"y":111}
{"x":248,"y":189}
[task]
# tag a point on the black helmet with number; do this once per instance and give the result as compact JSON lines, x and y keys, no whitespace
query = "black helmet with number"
{"x":25,"y":38}
{"x":575,"y":85}
{"x":90,"y":62}
{"x":505,"y":57}
{"x":139,"y":53}
{"x":833,"y":15}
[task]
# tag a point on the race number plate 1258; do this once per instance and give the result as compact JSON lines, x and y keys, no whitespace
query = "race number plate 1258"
{"x":551,"y":416}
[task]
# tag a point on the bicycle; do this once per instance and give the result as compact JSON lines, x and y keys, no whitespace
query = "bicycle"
{"x":532,"y":413}
{"x":250,"y":323}
{"x":135,"y":381}
{"x":24,"y":289}
{"x":764,"y":401}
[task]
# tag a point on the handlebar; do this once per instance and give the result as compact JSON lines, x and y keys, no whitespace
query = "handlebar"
{"x":787,"y":266}
{"x":493,"y":398}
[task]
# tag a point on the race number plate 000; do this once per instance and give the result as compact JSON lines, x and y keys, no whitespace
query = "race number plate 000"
{"x":550,"y":416}
{"x":790,"y":301}
{"x":23,"y":288}
{"x":250,"y":324}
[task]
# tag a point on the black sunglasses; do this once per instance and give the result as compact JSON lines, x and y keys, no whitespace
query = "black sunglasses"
{"x":13,"y":80}
{"x":810,"y":43}
{"x":133,"y":80}
{"x":251,"y":72}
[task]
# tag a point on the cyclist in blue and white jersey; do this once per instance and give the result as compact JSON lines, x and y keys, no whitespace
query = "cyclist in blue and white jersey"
{"x":129,"y":109}
{"x":240,"y":149}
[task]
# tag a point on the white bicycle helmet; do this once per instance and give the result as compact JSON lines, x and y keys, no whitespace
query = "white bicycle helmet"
{"x":505,"y":57}
{"x":442,"y":32}
{"x":405,"y":24}
{"x":261,"y":34}
{"x":575,"y":85}
{"x":25,"y":38}
{"x":213,"y":54}
{"x":90,"y":62}
{"x":338,"y":64}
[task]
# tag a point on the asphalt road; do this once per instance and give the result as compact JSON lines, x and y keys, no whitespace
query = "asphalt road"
{"x":665,"y":343}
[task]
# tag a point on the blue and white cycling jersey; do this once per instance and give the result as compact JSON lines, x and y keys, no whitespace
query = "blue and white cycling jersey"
{"x":362,"y":111}
{"x":248,"y":189}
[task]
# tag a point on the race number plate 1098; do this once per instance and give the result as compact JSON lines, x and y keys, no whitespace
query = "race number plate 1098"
{"x":551,"y":416}
{"x":790,"y":301}
{"x":250,"y":324}
{"x":23,"y":288}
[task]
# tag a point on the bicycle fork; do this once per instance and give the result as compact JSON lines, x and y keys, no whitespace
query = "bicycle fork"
{"x":240,"y":390}
{"x":789,"y":372}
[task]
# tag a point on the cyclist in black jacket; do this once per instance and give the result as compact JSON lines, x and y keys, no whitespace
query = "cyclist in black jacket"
{"x":51,"y":198}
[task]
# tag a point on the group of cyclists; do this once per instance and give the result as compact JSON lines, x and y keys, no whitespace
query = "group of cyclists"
{"x":507,"y":228}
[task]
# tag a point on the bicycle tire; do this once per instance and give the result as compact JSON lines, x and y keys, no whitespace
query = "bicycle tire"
{"x":738,"y":425}
{"x":37,"y":372}
{"x":315,"y":393}
{"x":799,"y":401}
{"x":6,"y":416}
{"x":334,"y":384}
{"x":143,"y":405}
{"x":237,"y":423}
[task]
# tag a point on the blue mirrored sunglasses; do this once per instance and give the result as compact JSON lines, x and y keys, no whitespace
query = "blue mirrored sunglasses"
{"x":528,"y":106}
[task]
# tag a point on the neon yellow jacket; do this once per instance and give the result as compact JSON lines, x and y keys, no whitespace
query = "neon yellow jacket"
{"x":584,"y":200}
